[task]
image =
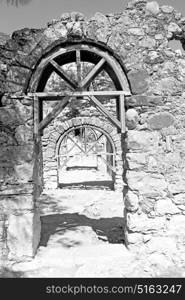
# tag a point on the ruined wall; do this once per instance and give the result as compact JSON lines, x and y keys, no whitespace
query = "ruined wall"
{"x":18,"y":215}
{"x":138,"y":37}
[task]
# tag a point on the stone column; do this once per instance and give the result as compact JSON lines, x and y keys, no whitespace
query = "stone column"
{"x":19,"y":173}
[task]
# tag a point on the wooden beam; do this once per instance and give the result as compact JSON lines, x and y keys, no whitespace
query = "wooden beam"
{"x":59,"y":96}
{"x":122,"y":112}
{"x":54,"y":113}
{"x":105,"y":112}
{"x":79,"y":66}
{"x":94,"y":144}
{"x":36,"y":118}
{"x":93,"y":73}
{"x":63,"y":74}
{"x":108,"y":165}
{"x":76,"y":144}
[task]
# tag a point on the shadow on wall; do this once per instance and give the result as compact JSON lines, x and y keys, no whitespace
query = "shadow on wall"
{"x":106,"y":229}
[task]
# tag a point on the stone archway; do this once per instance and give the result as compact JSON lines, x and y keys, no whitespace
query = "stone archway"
{"x":105,"y":111}
{"x":80,"y":87}
{"x":52,"y":144}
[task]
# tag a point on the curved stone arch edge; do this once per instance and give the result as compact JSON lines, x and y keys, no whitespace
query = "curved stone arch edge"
{"x":62,"y":128}
{"x":54,"y":52}
{"x":111,"y":133}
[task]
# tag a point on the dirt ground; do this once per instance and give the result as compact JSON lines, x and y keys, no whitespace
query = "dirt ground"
{"x":83,"y":236}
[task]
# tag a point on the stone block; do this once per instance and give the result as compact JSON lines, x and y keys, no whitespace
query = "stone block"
{"x":143,"y":100}
{"x":162,"y":244}
{"x":132,"y":118}
{"x":138,"y":81}
{"x":152,"y":7}
{"x":131,"y":201}
{"x":176,"y":226}
{"x":141,"y":223}
{"x":176,"y":183}
{"x":147,"y":204}
{"x":167,"y":9}
{"x":161,"y":120}
{"x":179,"y":199}
{"x":23,"y":134}
{"x":24,"y":172}
{"x":133,"y":238}
{"x":147,"y":184}
{"x":23,"y":235}
{"x":138,"y":141}
{"x":16,"y":154}
{"x":16,"y":203}
{"x":166,"y":206}
{"x":136,"y":161}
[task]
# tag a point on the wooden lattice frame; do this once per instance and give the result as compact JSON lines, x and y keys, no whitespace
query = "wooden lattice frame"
{"x":78,"y":53}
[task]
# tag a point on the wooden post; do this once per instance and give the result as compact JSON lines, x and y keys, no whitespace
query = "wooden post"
{"x":79,"y":67}
{"x":122,"y":112}
{"x":36,"y":118}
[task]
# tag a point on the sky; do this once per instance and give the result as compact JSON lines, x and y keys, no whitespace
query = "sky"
{"x":37,"y":13}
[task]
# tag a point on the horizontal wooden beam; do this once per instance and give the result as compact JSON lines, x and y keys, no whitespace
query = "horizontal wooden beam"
{"x":59,"y":96}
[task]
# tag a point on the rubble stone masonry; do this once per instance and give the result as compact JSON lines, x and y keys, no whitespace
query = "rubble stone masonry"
{"x":154,"y":174}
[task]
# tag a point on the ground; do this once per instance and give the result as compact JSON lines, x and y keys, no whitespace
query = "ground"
{"x":83,"y":235}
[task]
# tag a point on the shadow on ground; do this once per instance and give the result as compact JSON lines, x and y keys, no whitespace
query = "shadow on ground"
{"x":106,"y":229}
{"x":8,"y":273}
{"x":88,"y":185}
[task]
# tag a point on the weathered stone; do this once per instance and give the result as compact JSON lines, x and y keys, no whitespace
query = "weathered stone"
{"x":161,"y":120}
{"x":23,"y":134}
{"x":147,"y":204}
{"x":176,"y":226}
{"x":174,"y":28}
{"x":141,"y":223}
{"x":152,"y":7}
{"x":99,"y":29}
{"x":147,"y":42}
{"x":176,"y":183}
{"x":152,"y":164}
{"x":167,"y":9}
{"x":142,"y":141}
{"x":56,"y":32}
{"x":136,"y":160}
{"x":146,"y":184}
{"x":23,"y":235}
{"x":24,"y":172}
{"x":131,"y":201}
{"x":138,"y":81}
{"x":142,"y":100}
{"x":136,"y":31}
{"x":132,"y":118}
{"x":134,"y":238}
{"x":179,"y":199}
{"x":77,"y":30}
{"x":162,"y":245}
{"x":166,"y":206}
{"x":154,"y":57}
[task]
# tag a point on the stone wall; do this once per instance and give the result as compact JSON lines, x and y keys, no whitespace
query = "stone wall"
{"x":139,"y":39}
{"x":19,"y":220}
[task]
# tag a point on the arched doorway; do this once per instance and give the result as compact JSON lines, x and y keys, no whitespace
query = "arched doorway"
{"x":85,"y":158}
{"x":89,"y":81}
